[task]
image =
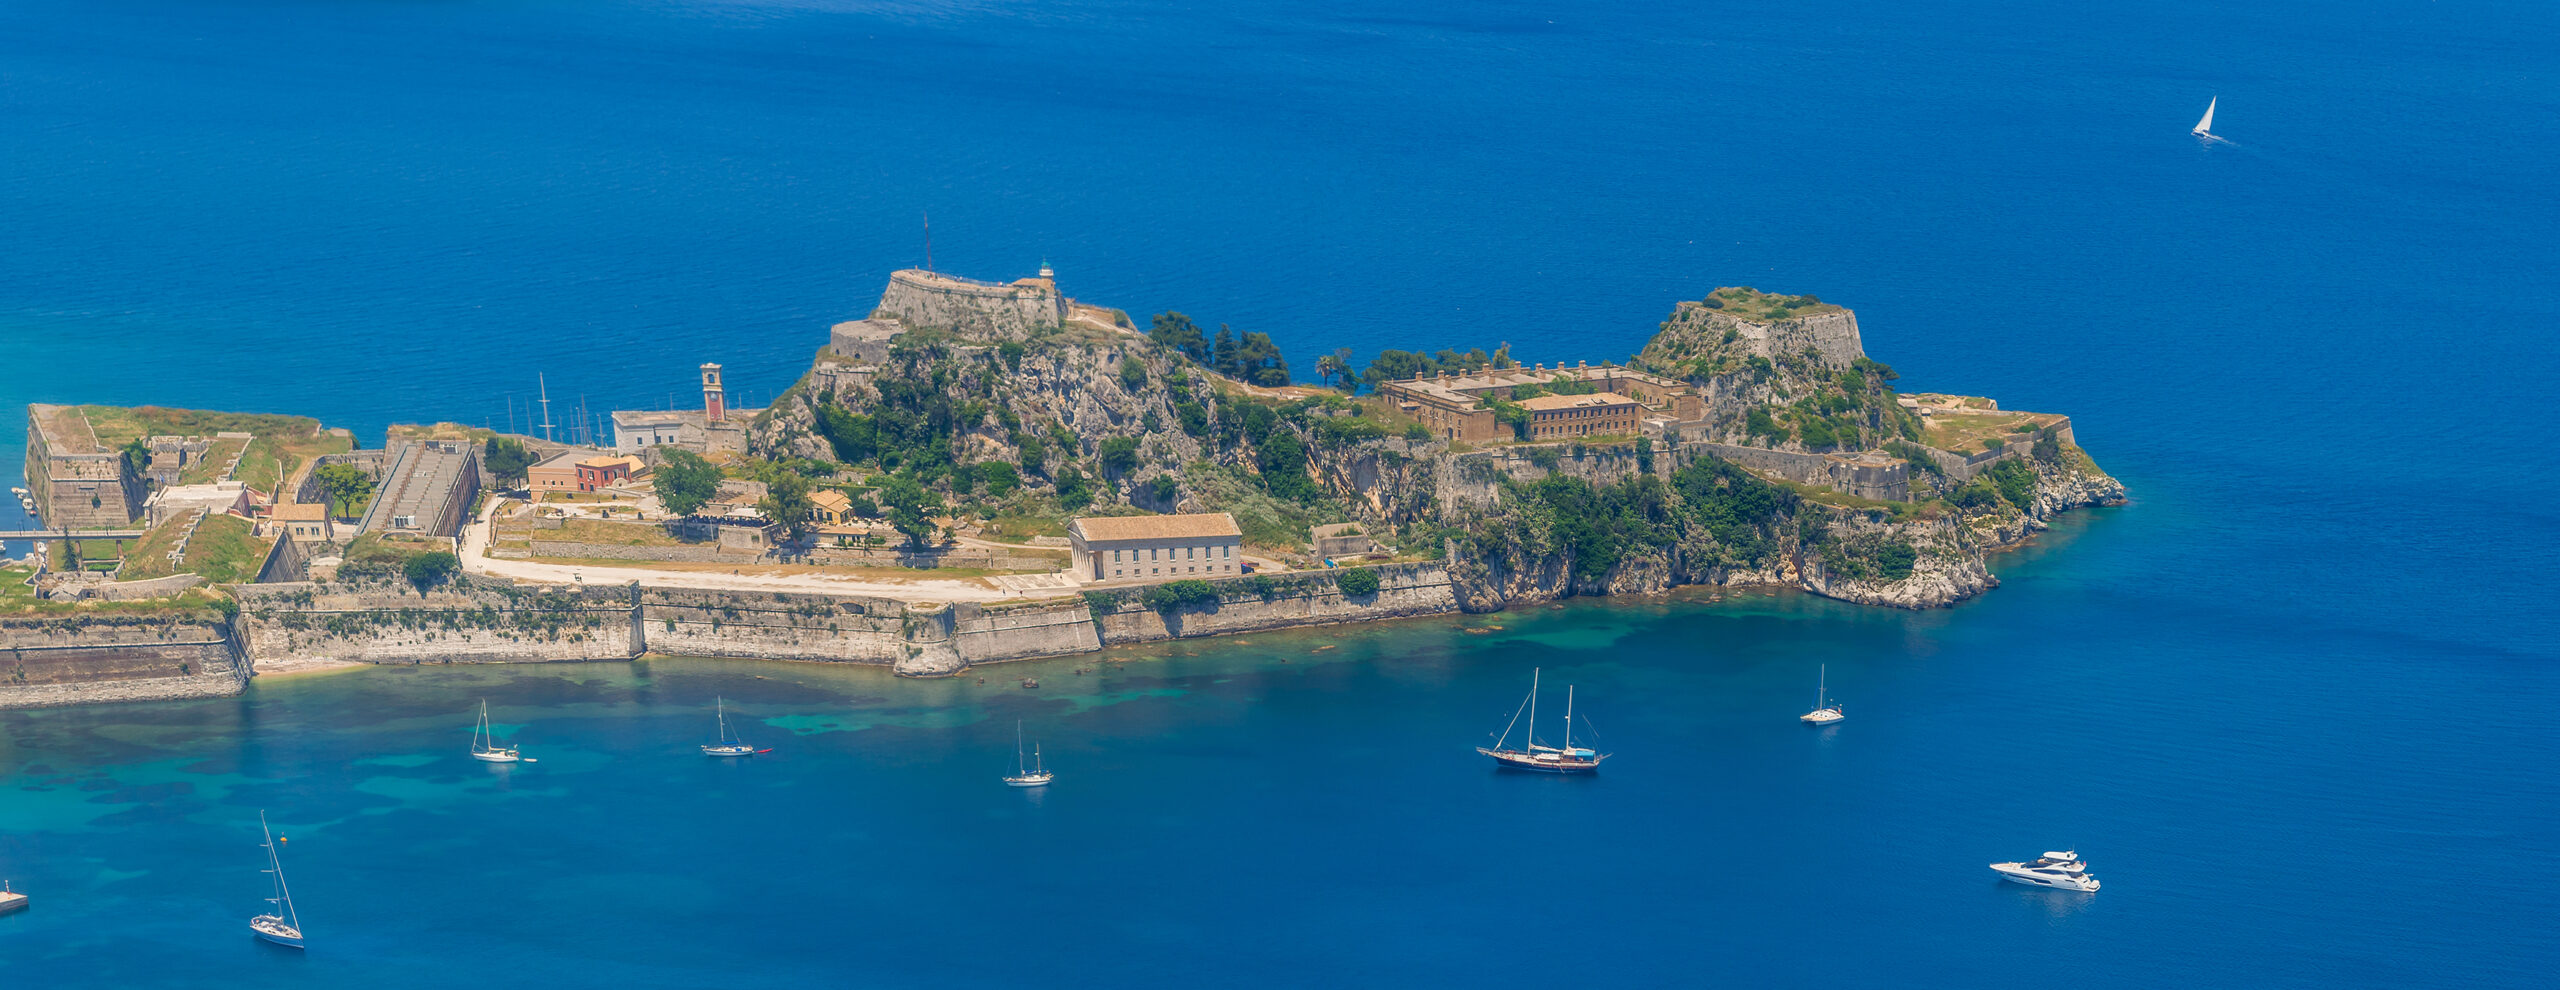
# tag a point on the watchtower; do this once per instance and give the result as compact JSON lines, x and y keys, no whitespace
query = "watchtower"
{"x":715,"y":399}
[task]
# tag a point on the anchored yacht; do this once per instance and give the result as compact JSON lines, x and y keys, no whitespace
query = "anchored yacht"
{"x":1567,"y":758}
{"x":1825,"y":711}
{"x":2058,"y":870}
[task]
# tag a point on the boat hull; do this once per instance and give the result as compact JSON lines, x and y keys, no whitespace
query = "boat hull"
{"x":2023,"y":878}
{"x":498,"y":756}
{"x":1030,"y":780}
{"x":1516,"y":760}
{"x":1821,"y":716}
{"x":10,"y":903}
{"x":728,"y":751}
{"x":273,"y":929}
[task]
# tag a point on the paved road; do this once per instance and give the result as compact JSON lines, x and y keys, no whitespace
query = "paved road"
{"x":475,"y":560}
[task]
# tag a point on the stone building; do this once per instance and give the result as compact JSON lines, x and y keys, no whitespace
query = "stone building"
{"x":713,"y":429}
{"x":217,"y":498}
{"x":75,"y":484}
{"x":427,"y":491}
{"x":1453,"y":405}
{"x":1155,"y":548}
{"x":305,"y":521}
{"x":607,"y":470}
{"x":864,"y":342}
{"x":1563,"y":417}
{"x":830,"y":507}
{"x":932,"y":300}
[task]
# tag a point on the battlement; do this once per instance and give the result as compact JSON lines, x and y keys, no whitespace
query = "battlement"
{"x":932,"y":300}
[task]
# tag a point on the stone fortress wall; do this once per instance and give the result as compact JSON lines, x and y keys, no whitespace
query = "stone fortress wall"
{"x":75,"y":484}
{"x":931,"y":300}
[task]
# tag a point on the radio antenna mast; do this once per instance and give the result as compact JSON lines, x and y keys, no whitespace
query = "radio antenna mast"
{"x":928,"y":240}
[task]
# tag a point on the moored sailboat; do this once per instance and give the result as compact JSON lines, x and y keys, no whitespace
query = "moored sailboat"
{"x":729,"y":744}
{"x":1825,"y":711}
{"x":1031,"y":774}
{"x":484,"y":744}
{"x":1567,"y":758}
{"x":281,"y":926}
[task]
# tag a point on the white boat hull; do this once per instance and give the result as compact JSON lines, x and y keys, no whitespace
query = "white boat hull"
{"x":2013,"y":873}
{"x":728,"y":751}
{"x":1030,"y":780}
{"x":274,"y":929}
{"x":498,"y":756}
{"x":1821,"y":716}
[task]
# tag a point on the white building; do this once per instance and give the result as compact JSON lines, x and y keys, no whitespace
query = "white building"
{"x":1155,"y":548}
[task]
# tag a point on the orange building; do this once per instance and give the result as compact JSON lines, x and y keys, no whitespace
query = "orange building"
{"x":1559,"y":417}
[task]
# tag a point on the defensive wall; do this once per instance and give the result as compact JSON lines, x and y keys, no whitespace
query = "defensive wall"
{"x":83,"y":659}
{"x":931,"y":300}
{"x":75,"y":484}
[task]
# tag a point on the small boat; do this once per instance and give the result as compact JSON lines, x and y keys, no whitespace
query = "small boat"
{"x":2204,"y":128}
{"x":1567,"y":758}
{"x":286,"y":928}
{"x":1825,"y":711}
{"x":729,"y":744}
{"x":2054,"y":870}
{"x":484,"y":745}
{"x":1031,"y":774}
{"x":11,"y":900}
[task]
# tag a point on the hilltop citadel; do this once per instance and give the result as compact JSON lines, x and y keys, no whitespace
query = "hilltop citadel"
{"x":979,"y":471}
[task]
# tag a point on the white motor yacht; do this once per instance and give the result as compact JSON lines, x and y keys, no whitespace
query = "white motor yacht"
{"x":2058,"y":870}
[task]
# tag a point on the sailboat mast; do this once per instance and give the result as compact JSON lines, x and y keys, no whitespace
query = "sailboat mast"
{"x":275,"y":865}
{"x":1533,"y":710}
{"x":1018,"y":764}
{"x":1568,"y":717}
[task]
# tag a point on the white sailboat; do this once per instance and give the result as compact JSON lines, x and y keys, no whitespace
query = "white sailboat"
{"x":484,"y":744}
{"x":1825,"y":711}
{"x":1031,"y":774}
{"x":729,"y":744}
{"x":284,"y":928}
{"x":2204,"y":128}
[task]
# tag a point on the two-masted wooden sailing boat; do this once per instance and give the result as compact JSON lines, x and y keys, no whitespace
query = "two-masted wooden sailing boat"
{"x":1567,"y":758}
{"x":484,"y":744}
{"x":729,"y":744}
{"x":1027,"y":774}
{"x":280,"y":926}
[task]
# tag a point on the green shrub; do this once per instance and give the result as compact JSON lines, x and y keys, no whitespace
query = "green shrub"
{"x":1417,"y":431}
{"x":1356,"y":581}
{"x":2016,"y":481}
{"x":1172,"y":595}
{"x":1133,"y":372}
{"x":1894,"y":560}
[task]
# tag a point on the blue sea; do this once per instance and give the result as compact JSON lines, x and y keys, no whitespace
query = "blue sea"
{"x":2296,"y":704}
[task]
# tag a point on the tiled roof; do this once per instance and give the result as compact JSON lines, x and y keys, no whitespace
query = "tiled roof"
{"x":1178,"y":527}
{"x":1544,"y":403}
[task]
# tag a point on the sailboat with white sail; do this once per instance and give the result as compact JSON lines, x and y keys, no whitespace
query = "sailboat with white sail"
{"x":281,"y":926}
{"x":729,"y":744}
{"x":484,"y":743}
{"x":2204,"y":128}
{"x":1825,"y":711}
{"x":1027,"y":774}
{"x":1567,"y":758}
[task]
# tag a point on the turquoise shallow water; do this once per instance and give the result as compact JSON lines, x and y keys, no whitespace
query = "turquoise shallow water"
{"x":2321,"y":638}
{"x":1298,"y":808}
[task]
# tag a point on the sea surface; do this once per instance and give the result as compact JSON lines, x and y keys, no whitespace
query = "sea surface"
{"x":2297,"y":704}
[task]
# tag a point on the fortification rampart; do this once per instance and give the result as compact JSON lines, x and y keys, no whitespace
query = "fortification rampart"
{"x":75,"y":484}
{"x":929,"y":300}
{"x":85,"y":659}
